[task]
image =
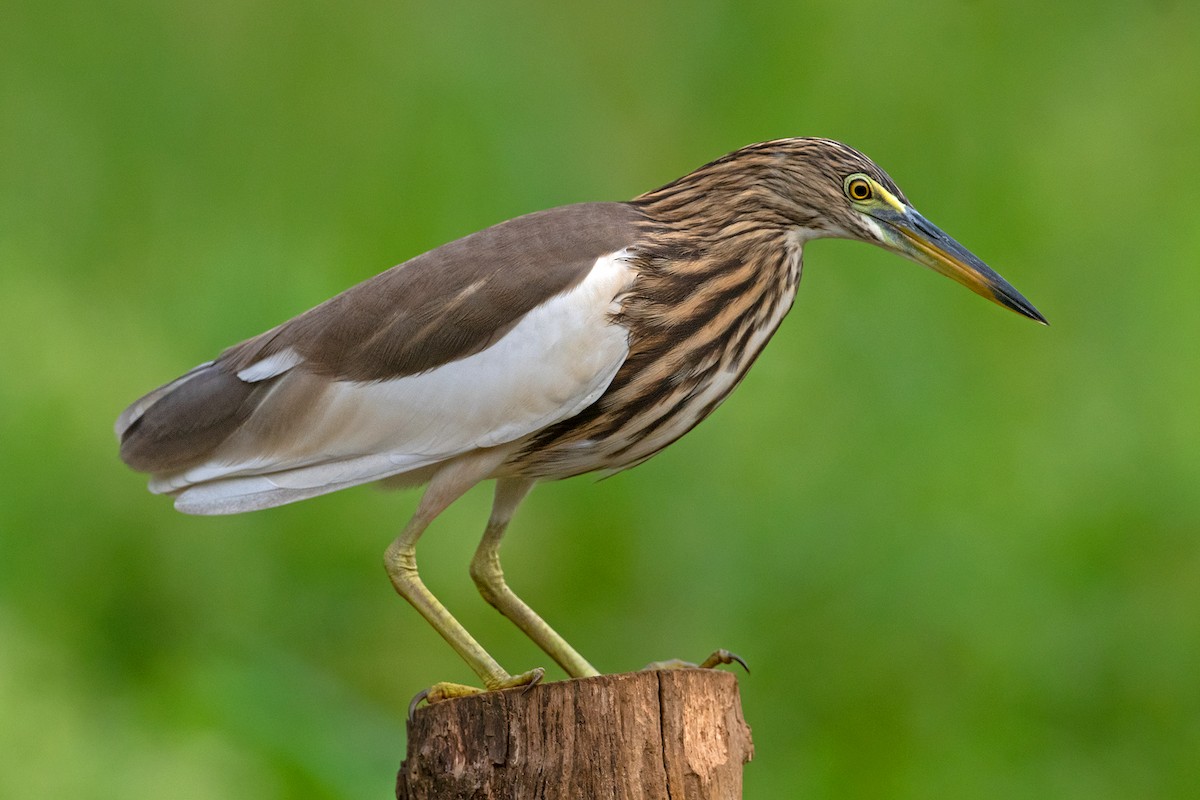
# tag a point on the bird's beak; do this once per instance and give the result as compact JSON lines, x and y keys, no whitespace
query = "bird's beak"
{"x":916,"y":238}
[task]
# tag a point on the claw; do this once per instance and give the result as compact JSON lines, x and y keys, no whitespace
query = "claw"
{"x":718,"y":657}
{"x":416,"y":701}
{"x":446,"y":691}
{"x":439,"y":692}
{"x":535,"y":676}
{"x":724,"y":656}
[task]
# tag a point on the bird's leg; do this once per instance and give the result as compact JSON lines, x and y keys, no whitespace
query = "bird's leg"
{"x":489,"y":577}
{"x":447,"y":485}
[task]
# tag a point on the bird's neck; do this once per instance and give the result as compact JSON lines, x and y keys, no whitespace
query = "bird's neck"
{"x":729,"y":284}
{"x":698,"y":232}
{"x":717,"y":213}
{"x":721,"y":245}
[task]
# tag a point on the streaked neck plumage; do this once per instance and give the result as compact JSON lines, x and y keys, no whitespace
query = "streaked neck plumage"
{"x":718,"y":259}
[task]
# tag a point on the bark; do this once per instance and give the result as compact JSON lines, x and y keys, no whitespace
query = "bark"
{"x":660,"y":735}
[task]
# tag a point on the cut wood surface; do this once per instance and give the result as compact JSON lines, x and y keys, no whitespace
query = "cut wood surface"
{"x":657,"y":735}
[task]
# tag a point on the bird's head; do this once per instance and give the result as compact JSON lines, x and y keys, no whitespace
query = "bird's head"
{"x":839,"y":192}
{"x":813,"y":188}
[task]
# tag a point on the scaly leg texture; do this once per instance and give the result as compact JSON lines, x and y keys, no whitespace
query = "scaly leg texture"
{"x":446,"y":486}
{"x":489,"y":577}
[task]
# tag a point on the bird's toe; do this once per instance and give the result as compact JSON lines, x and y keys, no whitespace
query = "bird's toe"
{"x":717,"y":658}
{"x":448,"y":691}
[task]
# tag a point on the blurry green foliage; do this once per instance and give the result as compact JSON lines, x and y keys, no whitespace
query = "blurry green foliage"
{"x":961,"y":552}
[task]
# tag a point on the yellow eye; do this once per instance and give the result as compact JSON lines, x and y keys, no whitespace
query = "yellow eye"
{"x":858,"y":189}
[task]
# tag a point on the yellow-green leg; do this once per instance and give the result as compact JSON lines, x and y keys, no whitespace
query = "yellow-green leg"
{"x":489,"y":577}
{"x":447,"y":485}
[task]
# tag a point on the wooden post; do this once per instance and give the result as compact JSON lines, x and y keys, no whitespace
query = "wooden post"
{"x":663,"y":735}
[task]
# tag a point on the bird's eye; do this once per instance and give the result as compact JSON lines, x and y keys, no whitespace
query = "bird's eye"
{"x":858,"y":189}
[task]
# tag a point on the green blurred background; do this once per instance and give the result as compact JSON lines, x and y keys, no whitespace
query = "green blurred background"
{"x":960,"y":551}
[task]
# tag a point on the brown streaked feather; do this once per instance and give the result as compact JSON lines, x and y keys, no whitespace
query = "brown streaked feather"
{"x":444,"y":305}
{"x":714,"y":280}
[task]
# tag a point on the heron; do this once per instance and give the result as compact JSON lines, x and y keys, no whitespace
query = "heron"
{"x":579,"y":339}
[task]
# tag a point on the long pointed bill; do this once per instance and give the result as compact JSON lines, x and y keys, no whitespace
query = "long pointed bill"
{"x":919,"y":239}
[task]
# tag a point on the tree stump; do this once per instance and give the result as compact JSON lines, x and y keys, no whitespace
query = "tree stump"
{"x":657,"y":735}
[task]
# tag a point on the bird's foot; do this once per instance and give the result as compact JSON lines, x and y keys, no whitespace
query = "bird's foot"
{"x":717,"y":658}
{"x":447,"y":691}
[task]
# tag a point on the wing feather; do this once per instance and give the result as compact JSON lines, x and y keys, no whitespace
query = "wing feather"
{"x":295,"y":432}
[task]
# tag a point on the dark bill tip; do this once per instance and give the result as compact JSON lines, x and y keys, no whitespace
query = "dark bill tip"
{"x":1010,"y":298}
{"x":927,"y":244}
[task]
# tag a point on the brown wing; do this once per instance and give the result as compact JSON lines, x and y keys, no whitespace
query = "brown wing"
{"x":439,"y":307}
